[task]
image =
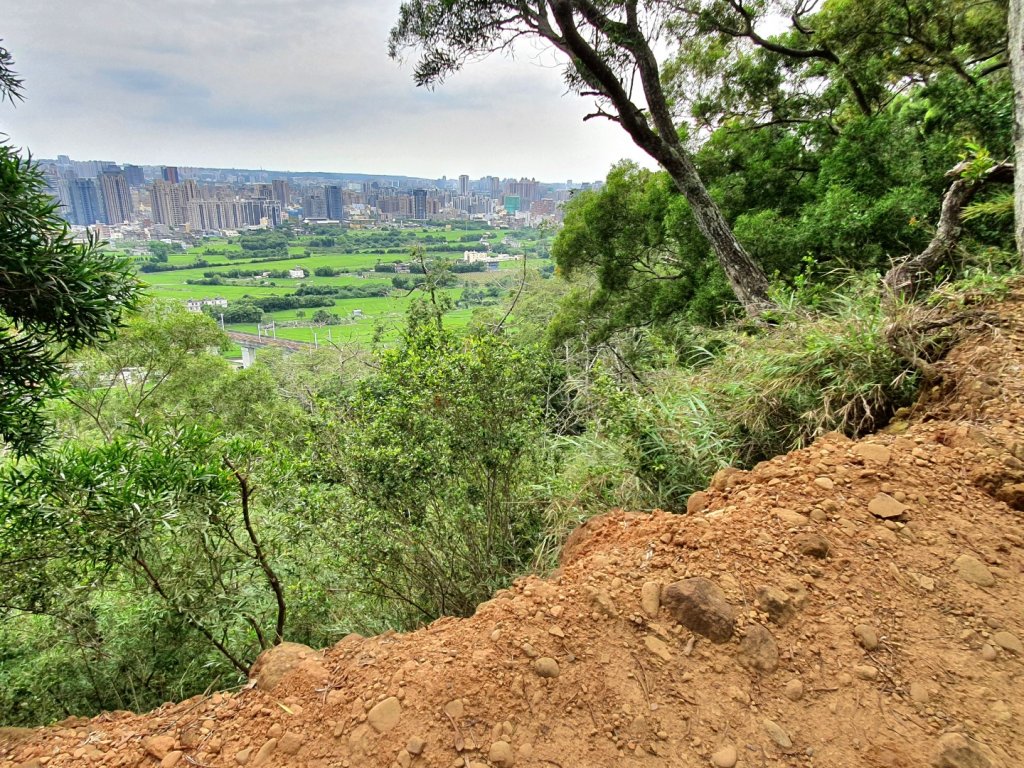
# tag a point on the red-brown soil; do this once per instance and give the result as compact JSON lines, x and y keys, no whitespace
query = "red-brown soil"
{"x":857,"y":640}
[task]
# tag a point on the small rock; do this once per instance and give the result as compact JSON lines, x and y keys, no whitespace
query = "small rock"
{"x":268,"y":748}
{"x":886,"y":507}
{"x":973,"y":571}
{"x":415,"y":746}
{"x":242,"y":756}
{"x":812,"y":545}
{"x":650,"y":598}
{"x":455,"y":709}
{"x":385,"y":715}
{"x":866,"y":672}
{"x":759,"y":650}
{"x":545,"y":666}
{"x":825,"y":483}
{"x":697,"y":502}
{"x":919,"y":693}
{"x":791,"y":518}
{"x":290,"y":743}
{"x":1000,"y":712}
{"x":872,"y":453}
{"x":725,"y":478}
{"x":776,"y":603}
{"x":283,"y":659}
{"x":501,"y":754}
{"x":171,"y":759}
{"x":725,"y":757}
{"x":602,"y":602}
{"x":158,"y":746}
{"x":957,"y":751}
{"x":777,"y":734}
{"x":866,"y":636}
{"x":275,"y":731}
{"x":988,"y":653}
{"x":1008,"y":642}
{"x":658,"y":647}
{"x":794,"y":690}
{"x":700,"y":605}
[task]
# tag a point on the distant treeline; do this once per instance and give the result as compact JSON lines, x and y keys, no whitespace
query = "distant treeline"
{"x":345,"y":291}
{"x":153,"y":266}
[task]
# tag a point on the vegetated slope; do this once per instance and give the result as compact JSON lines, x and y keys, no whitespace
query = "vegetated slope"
{"x":854,"y":603}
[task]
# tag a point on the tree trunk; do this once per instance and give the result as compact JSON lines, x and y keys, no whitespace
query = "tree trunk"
{"x":1016,"y":25}
{"x":907,"y":277}
{"x":747,"y":280}
{"x":660,"y":141}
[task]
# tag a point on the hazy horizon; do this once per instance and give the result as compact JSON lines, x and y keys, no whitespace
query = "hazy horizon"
{"x":290,"y":87}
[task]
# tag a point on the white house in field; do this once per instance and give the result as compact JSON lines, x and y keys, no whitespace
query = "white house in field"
{"x":296,"y":273}
{"x":196,"y":305}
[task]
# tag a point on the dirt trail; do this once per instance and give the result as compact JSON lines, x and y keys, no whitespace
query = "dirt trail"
{"x":851,"y":604}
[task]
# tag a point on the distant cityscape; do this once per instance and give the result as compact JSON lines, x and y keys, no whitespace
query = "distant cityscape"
{"x":142,"y":202}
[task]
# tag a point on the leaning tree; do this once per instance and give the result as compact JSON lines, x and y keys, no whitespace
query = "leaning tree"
{"x":610,"y":46}
{"x":1016,"y":25}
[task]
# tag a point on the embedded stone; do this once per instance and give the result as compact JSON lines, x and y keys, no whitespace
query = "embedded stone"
{"x":758,"y":649}
{"x":957,"y":751}
{"x":886,"y":507}
{"x":501,"y":754}
{"x":697,"y":502}
{"x":973,"y":571}
{"x":777,"y":603}
{"x":866,"y":636}
{"x":545,"y":666}
{"x":700,"y":605}
{"x":812,"y":545}
{"x":385,"y":715}
{"x":650,"y":598}
{"x":725,"y":757}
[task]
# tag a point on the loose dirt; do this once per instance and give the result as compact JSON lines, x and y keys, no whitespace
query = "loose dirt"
{"x":850,"y":604}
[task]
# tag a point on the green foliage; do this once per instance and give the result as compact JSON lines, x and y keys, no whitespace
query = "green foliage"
{"x":56,"y":296}
{"x":638,"y":237}
{"x":742,"y":396}
{"x":437,"y":449}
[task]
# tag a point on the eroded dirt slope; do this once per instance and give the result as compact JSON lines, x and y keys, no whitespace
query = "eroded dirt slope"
{"x":851,"y":604}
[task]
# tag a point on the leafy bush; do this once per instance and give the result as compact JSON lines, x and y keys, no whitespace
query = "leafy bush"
{"x":437,"y":450}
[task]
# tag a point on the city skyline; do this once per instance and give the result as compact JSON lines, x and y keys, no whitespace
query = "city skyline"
{"x":167,"y":202}
{"x":296,"y":87}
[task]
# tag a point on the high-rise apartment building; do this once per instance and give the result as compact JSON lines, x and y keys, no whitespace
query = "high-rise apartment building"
{"x":464,"y":185}
{"x":117,"y":198}
{"x":419,"y":204}
{"x":282,"y":193}
{"x":133,"y":174}
{"x":314,"y":205}
{"x":335,"y":202}
{"x":85,"y":207}
{"x":168,"y":204}
{"x":170,"y":174}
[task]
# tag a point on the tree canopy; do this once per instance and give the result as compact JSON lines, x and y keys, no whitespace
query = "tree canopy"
{"x":610,"y":48}
{"x":56,"y":294}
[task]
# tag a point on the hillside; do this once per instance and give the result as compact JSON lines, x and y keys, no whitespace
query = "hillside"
{"x":853,"y":603}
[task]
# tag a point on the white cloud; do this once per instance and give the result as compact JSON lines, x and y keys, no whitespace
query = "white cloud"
{"x":283,"y":85}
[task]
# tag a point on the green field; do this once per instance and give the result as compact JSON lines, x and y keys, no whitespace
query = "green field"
{"x":309,"y":252}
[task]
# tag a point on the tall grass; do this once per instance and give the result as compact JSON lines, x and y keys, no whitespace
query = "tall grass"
{"x":738,"y":396}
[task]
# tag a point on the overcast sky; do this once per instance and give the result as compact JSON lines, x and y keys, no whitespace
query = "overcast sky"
{"x":283,"y":85}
